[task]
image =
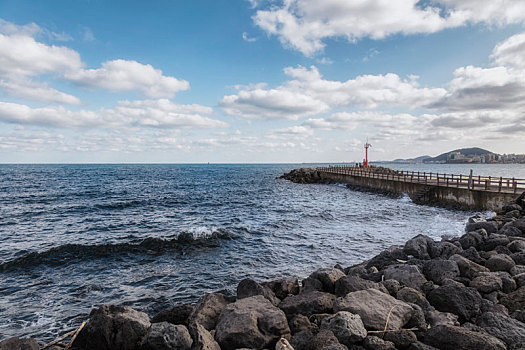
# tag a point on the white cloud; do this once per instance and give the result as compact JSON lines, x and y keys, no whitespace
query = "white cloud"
{"x":122,"y":75}
{"x":27,"y":89}
{"x":245,"y":37}
{"x":304,"y":24}
{"x":22,"y":56}
{"x":293,"y":132}
{"x":308,"y":93}
{"x":511,"y":52}
{"x":149,"y":113}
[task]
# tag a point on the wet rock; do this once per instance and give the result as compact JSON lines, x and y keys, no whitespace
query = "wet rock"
{"x":325,"y":340}
{"x":308,"y":303}
{"x":203,"y":340}
{"x":16,"y":343}
{"x":328,"y":278}
{"x":418,"y":318}
{"x":487,"y":283}
{"x":511,"y":207}
{"x":466,"y":267}
{"x":167,"y":336}
{"x":511,"y":331}
{"x":473,"y":239}
{"x":376,"y":343}
{"x":519,"y":315}
{"x":500,"y":262}
{"x":409,"y":275}
{"x":387,"y":257}
{"x":450,"y":337}
{"x":462,"y":301}
{"x":445,"y":250}
{"x":373,"y":307}
{"x":175,"y":315}
{"x":249,"y":288}
{"x":479,"y":223}
{"x":510,"y":230}
{"x":520,"y":280}
{"x":252,"y":322}
{"x":513,"y":214}
{"x":401,"y":339}
{"x":410,"y":295}
{"x":283,"y":287}
{"x":514,"y":301}
{"x":207,"y":311}
{"x":438,"y":270}
{"x":353,"y":283}
{"x":438,"y":318}
{"x":113,"y":327}
{"x":419,"y":247}
{"x":347,"y":327}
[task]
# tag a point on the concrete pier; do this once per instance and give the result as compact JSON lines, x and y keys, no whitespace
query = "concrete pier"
{"x":467,"y":192}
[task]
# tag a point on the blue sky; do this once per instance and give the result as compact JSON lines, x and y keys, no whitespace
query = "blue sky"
{"x":258,"y":81}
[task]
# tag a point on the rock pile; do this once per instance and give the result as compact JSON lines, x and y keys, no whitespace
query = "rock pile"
{"x":303,"y":176}
{"x":459,"y":293}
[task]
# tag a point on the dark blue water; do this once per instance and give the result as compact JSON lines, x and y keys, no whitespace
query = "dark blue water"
{"x":73,"y":237}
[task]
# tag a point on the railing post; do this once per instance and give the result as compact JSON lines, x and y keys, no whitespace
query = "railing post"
{"x":515,"y":185}
{"x":470,"y":181}
{"x":500,"y":183}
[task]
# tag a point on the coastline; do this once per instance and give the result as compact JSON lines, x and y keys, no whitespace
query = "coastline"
{"x":462,"y":287}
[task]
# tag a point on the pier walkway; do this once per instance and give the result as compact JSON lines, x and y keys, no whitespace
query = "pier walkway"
{"x":474,"y":192}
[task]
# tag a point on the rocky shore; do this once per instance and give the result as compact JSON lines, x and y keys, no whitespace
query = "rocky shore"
{"x":464,"y":292}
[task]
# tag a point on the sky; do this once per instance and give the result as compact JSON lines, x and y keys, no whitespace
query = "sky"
{"x":258,"y":81}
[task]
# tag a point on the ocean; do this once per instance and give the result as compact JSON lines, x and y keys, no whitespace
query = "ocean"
{"x":73,"y":237}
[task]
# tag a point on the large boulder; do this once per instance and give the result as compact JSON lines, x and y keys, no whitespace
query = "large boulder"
{"x":493,"y":241}
{"x":328,"y":278}
{"x":473,"y":239}
{"x":511,"y":331}
{"x":347,"y":327}
{"x":203,"y":340}
{"x":16,"y":343}
{"x":112,"y":327}
{"x":374,"y":308}
{"x":476,"y":223}
{"x":249,"y":288}
{"x":419,"y":247}
{"x":462,"y":301}
{"x":514,"y":301}
{"x":520,"y":224}
{"x":167,"y":336}
{"x":283,"y":287}
{"x":207,"y":311}
{"x":386,"y":258}
{"x":487,"y":283}
{"x":409,"y":275}
{"x":500,"y":262}
{"x":178,"y":314}
{"x":251,"y":322}
{"x":467,"y":268}
{"x":308,"y":303}
{"x":402,"y":338}
{"x":452,"y":338}
{"x":439,"y":270}
{"x":519,"y":258}
{"x":411,"y":295}
{"x":373,"y":342}
{"x":353,"y":283}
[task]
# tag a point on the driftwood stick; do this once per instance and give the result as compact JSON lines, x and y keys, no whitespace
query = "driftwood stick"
{"x":59,"y":339}
{"x":75,"y":335}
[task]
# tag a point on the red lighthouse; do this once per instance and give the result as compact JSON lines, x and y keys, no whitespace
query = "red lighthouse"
{"x":365,"y":161}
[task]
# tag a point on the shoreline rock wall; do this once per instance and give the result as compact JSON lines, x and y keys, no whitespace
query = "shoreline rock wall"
{"x":465,"y":292}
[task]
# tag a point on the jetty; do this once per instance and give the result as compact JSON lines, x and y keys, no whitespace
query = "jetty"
{"x":449,"y":190}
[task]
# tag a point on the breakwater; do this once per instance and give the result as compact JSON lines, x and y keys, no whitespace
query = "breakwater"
{"x":445,"y":190}
{"x":463,"y":292}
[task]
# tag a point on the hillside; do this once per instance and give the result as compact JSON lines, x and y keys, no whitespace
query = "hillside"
{"x":467,"y":152}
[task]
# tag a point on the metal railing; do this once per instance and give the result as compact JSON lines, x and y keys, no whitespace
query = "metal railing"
{"x":487,"y":183}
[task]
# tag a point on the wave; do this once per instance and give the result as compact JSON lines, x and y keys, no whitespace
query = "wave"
{"x":68,"y":253}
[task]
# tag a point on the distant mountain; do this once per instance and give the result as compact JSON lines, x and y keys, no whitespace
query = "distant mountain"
{"x":467,"y":152}
{"x":412,"y":160}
